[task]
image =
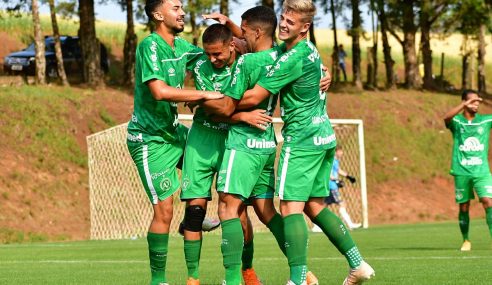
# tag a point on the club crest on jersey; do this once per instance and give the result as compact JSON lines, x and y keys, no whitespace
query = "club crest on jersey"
{"x":166,"y":184}
{"x":480,"y":130}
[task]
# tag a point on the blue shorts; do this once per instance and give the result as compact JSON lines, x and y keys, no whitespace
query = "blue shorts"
{"x":334,"y":197}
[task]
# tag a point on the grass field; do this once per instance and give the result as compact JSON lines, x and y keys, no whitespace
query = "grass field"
{"x":403,"y":254}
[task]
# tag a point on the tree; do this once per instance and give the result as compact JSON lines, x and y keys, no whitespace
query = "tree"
{"x":268,"y":3}
{"x":58,"y":50}
{"x":401,"y":17}
{"x":89,"y":44}
{"x":335,"y":69}
{"x":430,"y":12}
{"x":355,"y":34}
{"x":130,"y":46}
{"x":224,"y":7}
{"x":388,"y":60}
{"x":39,"y":45}
{"x":472,"y":18}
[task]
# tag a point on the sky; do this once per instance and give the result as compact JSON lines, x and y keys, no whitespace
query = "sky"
{"x":113,"y":12}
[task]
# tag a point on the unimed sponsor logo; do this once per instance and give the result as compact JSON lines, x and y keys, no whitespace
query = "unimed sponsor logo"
{"x":471,"y":144}
{"x":324,"y":140}
{"x":471,"y":161}
{"x":254,"y":143}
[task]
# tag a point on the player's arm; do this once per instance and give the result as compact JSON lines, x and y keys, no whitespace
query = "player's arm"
{"x":345,"y":174}
{"x":224,"y":106}
{"x":456,"y":110}
{"x":325,"y":82}
{"x":256,"y":118}
{"x":161,"y":91}
{"x":253,"y":97}
{"x":224,"y":20}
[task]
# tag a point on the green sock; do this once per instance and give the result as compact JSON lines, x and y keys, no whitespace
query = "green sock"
{"x":338,"y":234}
{"x":488,"y":218}
{"x":296,"y":242}
{"x":158,"y":256}
{"x":276,"y":226}
{"x":464,"y":220}
{"x":247,"y":257}
{"x":192,"y":249}
{"x":232,"y":248}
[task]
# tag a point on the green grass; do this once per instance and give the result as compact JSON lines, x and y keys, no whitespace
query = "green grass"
{"x":404,"y":254}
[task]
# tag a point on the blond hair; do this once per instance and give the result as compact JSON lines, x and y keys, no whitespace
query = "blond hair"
{"x":304,"y":7}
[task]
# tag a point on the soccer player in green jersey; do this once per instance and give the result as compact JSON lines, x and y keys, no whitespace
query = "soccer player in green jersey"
{"x":204,"y":150}
{"x":155,"y":137}
{"x":309,"y":145}
{"x":470,"y":164}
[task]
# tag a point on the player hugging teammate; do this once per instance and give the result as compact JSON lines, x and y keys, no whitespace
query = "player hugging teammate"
{"x":236,"y":134}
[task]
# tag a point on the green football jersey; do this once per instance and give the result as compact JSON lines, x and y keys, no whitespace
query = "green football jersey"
{"x":157,"y":120}
{"x":296,"y":75}
{"x":249,"y":69}
{"x":470,"y":145}
{"x":209,"y":78}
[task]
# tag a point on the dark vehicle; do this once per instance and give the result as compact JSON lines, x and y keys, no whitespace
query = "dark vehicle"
{"x":23,"y":62}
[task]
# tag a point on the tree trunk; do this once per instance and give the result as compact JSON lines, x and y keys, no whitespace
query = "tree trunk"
{"x":312,"y":37}
{"x":130,"y":46}
{"x":58,"y":51}
{"x":39,"y":45}
{"x":268,"y":3}
{"x":388,"y":61}
{"x":370,"y":68}
{"x":481,"y":60}
{"x":464,"y":72}
{"x":335,"y":68}
{"x":355,"y":33}
{"x":425,"y":27}
{"x":224,"y":7}
{"x":409,"y":52}
{"x":89,"y":44}
{"x":195,"y":33}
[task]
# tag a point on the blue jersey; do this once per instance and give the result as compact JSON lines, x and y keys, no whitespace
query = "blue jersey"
{"x":334,"y":174}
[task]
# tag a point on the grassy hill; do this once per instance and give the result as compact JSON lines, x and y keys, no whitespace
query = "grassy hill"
{"x":44,"y":182}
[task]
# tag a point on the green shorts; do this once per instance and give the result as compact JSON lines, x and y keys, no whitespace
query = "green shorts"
{"x":464,"y":185}
{"x":203,"y":156}
{"x":156,"y":164}
{"x":247,"y":174}
{"x":303,"y":174}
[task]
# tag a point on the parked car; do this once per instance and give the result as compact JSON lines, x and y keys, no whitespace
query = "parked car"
{"x":23,"y":62}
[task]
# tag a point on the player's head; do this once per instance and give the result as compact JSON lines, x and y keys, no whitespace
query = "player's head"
{"x":338,"y":152}
{"x":218,"y":45}
{"x":297,"y":16}
{"x":168,"y":12}
{"x":468,"y":94}
{"x":256,"y":23}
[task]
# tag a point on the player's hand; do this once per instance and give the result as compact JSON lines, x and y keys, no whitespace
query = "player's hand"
{"x":257,"y":118}
{"x":351,"y":179}
{"x":209,"y":95}
{"x":469,"y":103}
{"x":191,"y":106}
{"x":325,"y":82}
{"x":217,"y":17}
{"x":240,"y":45}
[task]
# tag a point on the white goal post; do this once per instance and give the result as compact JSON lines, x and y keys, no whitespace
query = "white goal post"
{"x":119,"y":207}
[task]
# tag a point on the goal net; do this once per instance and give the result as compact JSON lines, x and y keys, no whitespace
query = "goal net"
{"x":120,"y":209}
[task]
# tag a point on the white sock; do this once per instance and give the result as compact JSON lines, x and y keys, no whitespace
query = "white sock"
{"x":346,"y":217}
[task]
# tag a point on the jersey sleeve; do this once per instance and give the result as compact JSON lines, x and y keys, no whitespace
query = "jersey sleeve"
{"x":452,"y":125}
{"x":193,"y":55}
{"x":202,"y":79}
{"x":239,"y":82}
{"x":488,"y":118}
{"x":285,"y":70}
{"x":148,"y":58}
